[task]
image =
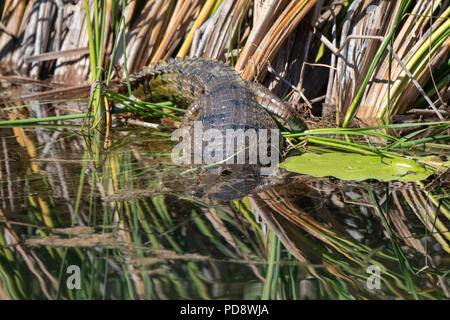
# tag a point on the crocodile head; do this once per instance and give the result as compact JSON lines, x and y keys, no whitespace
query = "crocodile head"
{"x":229,"y":182}
{"x":234,"y":163}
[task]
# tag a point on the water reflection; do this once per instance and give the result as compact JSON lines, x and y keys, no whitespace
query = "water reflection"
{"x":128,"y":223}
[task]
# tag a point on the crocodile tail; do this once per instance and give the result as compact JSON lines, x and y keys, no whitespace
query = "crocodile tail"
{"x":177,"y":80}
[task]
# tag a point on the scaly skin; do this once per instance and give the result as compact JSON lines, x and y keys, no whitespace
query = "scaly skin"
{"x":220,"y":99}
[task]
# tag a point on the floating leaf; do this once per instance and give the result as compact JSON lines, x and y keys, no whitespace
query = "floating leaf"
{"x":346,"y":166}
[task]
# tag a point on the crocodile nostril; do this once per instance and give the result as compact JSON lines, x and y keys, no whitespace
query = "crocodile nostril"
{"x":225,"y":172}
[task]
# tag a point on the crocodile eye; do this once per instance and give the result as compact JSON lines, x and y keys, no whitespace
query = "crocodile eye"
{"x":225,"y":172}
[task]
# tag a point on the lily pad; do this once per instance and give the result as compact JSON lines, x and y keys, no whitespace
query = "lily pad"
{"x":357,"y":167}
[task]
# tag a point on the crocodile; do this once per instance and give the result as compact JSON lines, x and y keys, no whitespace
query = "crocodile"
{"x":219,"y":99}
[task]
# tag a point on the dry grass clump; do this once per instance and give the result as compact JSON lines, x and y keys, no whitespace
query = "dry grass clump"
{"x":297,"y":41}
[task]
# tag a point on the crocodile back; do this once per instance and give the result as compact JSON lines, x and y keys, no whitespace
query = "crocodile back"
{"x":226,"y":100}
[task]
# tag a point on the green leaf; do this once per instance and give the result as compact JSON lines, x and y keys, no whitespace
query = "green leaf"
{"x":346,"y":166}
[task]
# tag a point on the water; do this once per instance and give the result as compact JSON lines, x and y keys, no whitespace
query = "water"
{"x":111,"y":225}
